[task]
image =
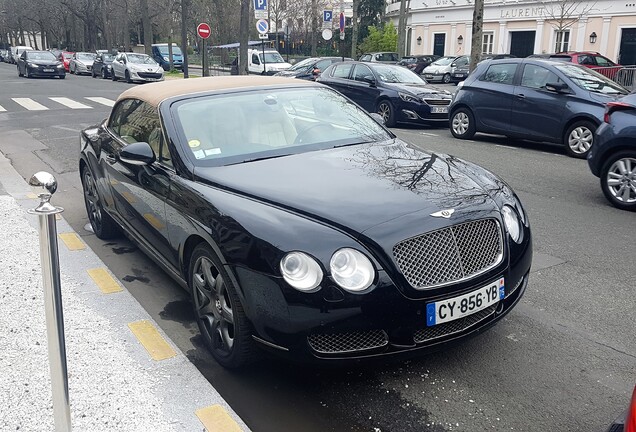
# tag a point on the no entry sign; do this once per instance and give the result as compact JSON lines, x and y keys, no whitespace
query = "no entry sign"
{"x":204,"y":30}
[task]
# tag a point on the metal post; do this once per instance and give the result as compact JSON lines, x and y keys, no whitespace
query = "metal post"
{"x":53,"y":299}
{"x":264,"y":63}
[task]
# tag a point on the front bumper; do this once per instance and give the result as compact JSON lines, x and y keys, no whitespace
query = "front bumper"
{"x":421,"y":113}
{"x":331,"y":325}
{"x":437,"y":76}
{"x":146,"y":76}
{"x":46,"y":71}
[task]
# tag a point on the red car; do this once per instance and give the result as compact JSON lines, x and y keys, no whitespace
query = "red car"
{"x":592,"y":60}
{"x":628,"y":422}
{"x":65,"y":57}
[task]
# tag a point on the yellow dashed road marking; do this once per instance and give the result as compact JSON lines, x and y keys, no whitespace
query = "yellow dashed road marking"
{"x":152,"y":340}
{"x":72,"y":241}
{"x":216,"y":419}
{"x":154,"y":221}
{"x":104,"y":281}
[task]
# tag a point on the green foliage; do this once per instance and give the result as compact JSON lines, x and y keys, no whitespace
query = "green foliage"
{"x":370,"y":14}
{"x":380,"y":39}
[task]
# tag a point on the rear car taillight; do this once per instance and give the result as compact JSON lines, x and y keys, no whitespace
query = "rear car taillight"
{"x":630,"y":420}
{"x":615,"y":106}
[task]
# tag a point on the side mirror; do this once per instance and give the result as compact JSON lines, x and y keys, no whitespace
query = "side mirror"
{"x":556,"y":87}
{"x":378,"y":118}
{"x":139,"y":153}
{"x":453,"y":64}
{"x":370,"y":81}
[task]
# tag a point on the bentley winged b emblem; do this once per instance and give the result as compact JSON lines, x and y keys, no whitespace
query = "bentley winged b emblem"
{"x":444,"y":213}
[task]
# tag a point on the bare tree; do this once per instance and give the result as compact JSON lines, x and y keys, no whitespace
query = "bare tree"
{"x":563,"y":14}
{"x":475,"y":42}
{"x":404,"y":7}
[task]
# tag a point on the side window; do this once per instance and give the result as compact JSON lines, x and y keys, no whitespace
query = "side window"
{"x":462,"y":61}
{"x":362,"y":73}
{"x":342,"y":70}
{"x":586,"y":60}
{"x":602,"y":61}
{"x":118,"y":115}
{"x":537,"y":77}
{"x":502,"y":73}
{"x":366,"y":57}
{"x":139,"y":124}
{"x":322,"y":65}
{"x":255,"y":59}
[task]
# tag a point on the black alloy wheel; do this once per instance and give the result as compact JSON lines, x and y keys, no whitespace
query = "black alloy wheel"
{"x":386,"y":110}
{"x":618,"y":180}
{"x":462,"y":123}
{"x":226,"y":331}
{"x":103,"y":225}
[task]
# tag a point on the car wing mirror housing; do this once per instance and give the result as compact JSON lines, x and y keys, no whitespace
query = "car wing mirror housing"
{"x":370,"y":81}
{"x":556,"y":87}
{"x":378,"y":118}
{"x":139,"y":153}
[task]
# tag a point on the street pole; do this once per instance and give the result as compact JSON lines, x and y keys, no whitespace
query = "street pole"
{"x":264,"y":63}
{"x":204,"y":58}
{"x":184,"y":37}
{"x":50,"y":260}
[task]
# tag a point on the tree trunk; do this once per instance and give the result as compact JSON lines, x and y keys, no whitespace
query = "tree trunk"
{"x":244,"y":36}
{"x":184,"y":37}
{"x":401,"y":30}
{"x":314,"y":27}
{"x":147,"y":25}
{"x":475,"y":44}
{"x":354,"y":29}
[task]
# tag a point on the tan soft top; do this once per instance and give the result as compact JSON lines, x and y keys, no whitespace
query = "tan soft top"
{"x":155,"y":93}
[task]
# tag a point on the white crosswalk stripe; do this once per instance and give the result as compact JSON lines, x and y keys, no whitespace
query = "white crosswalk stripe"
{"x":69,"y":103}
{"x":102,"y":100}
{"x":29,"y":104}
{"x":2,"y":109}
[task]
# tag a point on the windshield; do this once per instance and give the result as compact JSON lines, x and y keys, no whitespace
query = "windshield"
{"x":271,"y":57}
{"x":164,"y":50}
{"x":587,"y":79}
{"x":240,"y":127}
{"x":44,"y":55}
{"x":303,"y":64}
{"x":140,"y":59}
{"x":444,"y":61}
{"x":86,"y":56}
{"x":67,"y":55}
{"x":408,"y":60}
{"x":396,"y":74}
{"x":107,"y":57}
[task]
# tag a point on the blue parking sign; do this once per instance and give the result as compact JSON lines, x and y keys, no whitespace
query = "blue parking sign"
{"x":327,"y":15}
{"x":260,"y":4}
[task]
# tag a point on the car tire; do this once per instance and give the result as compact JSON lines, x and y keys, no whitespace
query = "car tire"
{"x":113,"y":76}
{"x":386,"y":110}
{"x":62,"y":76}
{"x":617,"y":174}
{"x":102,"y":223}
{"x":70,"y":70}
{"x":127,"y":76}
{"x":93,"y":73}
{"x":462,"y":123}
{"x":104,"y":76}
{"x":579,"y":138}
{"x":446,"y":79}
{"x":225,"y":328}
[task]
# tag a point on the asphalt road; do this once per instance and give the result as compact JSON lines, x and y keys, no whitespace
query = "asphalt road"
{"x":563,"y":360}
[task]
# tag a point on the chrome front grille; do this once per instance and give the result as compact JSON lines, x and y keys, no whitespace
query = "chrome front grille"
{"x":450,"y":254}
{"x":338,"y":343}
{"x":438,"y":101}
{"x":449,"y":328}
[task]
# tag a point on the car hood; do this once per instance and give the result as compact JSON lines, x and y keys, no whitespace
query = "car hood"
{"x":293,"y":73}
{"x":603,"y":98}
{"x":437,"y":69}
{"x":357,"y":187}
{"x":277,"y":66}
{"x":420,"y":89}
{"x":44,"y":62}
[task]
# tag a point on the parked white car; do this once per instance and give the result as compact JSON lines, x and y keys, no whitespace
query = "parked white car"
{"x":442,"y":68}
{"x":132,"y":67}
{"x":81,"y":63}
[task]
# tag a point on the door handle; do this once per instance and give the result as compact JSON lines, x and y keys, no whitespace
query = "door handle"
{"x":110,"y":159}
{"x":521,"y":96}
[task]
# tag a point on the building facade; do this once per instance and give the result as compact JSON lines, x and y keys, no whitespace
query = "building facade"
{"x":521,"y":28}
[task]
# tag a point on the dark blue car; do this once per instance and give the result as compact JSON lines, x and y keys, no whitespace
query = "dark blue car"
{"x":613,"y":157}
{"x":394,"y":92}
{"x":534,"y":99}
{"x":161,"y":55}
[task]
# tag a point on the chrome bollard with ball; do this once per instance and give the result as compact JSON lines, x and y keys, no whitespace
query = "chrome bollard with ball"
{"x":49,"y":257}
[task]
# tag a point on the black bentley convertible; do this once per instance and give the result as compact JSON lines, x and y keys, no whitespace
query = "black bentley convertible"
{"x":301,"y":225}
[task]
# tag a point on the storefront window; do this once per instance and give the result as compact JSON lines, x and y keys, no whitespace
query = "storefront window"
{"x":487,"y":43}
{"x":562,"y":40}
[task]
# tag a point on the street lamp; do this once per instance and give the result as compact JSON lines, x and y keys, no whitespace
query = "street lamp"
{"x":419,"y":40}
{"x":460,"y":39}
{"x":593,"y":37}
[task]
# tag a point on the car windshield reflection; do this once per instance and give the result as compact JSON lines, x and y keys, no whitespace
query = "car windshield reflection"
{"x":392,"y":74}
{"x":254,"y":125}
{"x":590,"y":80}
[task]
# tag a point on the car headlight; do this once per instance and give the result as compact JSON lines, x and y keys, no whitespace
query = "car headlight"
{"x":166,"y":58}
{"x":301,"y":271}
{"x":32,"y":65}
{"x":512,"y":223}
{"x":351,"y":269}
{"x":408,"y":97}
{"x":60,"y":66}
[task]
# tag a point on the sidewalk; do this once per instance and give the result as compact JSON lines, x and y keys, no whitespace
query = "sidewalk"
{"x":124,"y":373}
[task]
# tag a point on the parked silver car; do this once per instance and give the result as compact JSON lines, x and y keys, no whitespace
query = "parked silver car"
{"x":136,"y":67}
{"x":441,"y":69}
{"x":81,"y":63}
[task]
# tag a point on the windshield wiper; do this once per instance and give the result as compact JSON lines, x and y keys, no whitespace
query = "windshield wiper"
{"x":260,"y":158}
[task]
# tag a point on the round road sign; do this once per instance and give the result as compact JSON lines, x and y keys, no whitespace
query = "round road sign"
{"x":327,"y":34}
{"x":204,"y":31}
{"x":262,"y":26}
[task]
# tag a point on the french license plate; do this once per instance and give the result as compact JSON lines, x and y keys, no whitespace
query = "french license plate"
{"x":458,"y":307}
{"x":439,"y":110}
{"x":48,"y":70}
{"x":429,"y":76}
{"x":459,"y":75}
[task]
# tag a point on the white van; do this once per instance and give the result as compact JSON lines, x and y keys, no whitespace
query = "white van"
{"x":17,"y":50}
{"x":274,"y":62}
